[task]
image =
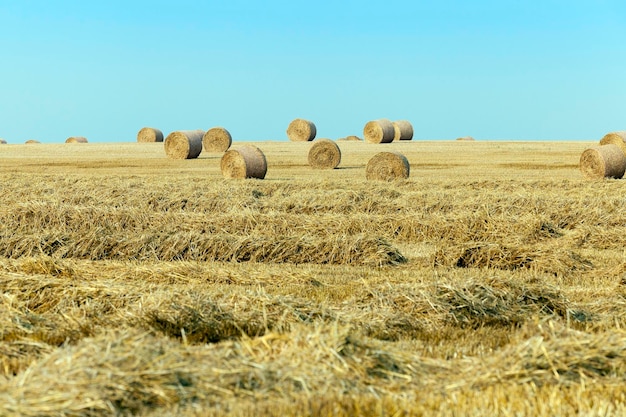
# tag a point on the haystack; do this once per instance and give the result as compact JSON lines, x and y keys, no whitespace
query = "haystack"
{"x":32,"y":142}
{"x":379,"y":131}
{"x":603,"y":161}
{"x":387,"y":166}
{"x":465,"y":138}
{"x":184,"y":144}
{"x":300,"y":130}
{"x":403,"y":130}
{"x":76,"y":139}
{"x":615,"y":138}
{"x":3,"y":142}
{"x":324,"y":154}
{"x":149,"y":135}
{"x":217,"y":139}
{"x":246,"y":161}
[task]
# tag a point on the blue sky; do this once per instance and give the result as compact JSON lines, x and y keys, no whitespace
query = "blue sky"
{"x":495,"y":70}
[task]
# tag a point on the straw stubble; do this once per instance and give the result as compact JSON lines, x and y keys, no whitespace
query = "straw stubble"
{"x":246,"y":161}
{"x":379,"y":131}
{"x":324,"y":154}
{"x":387,"y":166}
{"x":149,"y":134}
{"x":184,"y":144}
{"x":217,"y":139}
{"x":604,"y":161}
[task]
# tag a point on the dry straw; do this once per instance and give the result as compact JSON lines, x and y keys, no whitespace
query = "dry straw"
{"x":403,"y":130}
{"x":76,"y":139}
{"x":603,"y":161}
{"x":351,"y":138}
{"x":387,"y":166}
{"x":615,"y":138}
{"x":465,"y":139}
{"x":149,"y":135}
{"x":184,"y":144}
{"x":217,"y":139}
{"x":32,"y":142}
{"x":379,"y":131}
{"x":246,"y":161}
{"x":324,"y":154}
{"x":300,"y":130}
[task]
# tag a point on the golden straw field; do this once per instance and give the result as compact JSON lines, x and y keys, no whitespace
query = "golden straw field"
{"x":491,"y":282}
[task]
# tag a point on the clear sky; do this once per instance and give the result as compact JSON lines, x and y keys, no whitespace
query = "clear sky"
{"x":492,"y":69}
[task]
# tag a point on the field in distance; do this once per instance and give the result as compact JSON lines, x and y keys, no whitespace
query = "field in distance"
{"x":491,"y":282}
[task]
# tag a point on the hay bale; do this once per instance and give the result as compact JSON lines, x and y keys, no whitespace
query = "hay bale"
{"x":149,"y":135}
{"x":604,"y":161}
{"x":387,"y":166}
{"x":615,"y":138}
{"x":379,"y":131}
{"x":184,"y":144}
{"x":76,"y":139}
{"x":32,"y":142}
{"x":465,"y":138}
{"x":217,"y":139}
{"x":403,"y":130}
{"x":324,"y":154}
{"x":246,"y":161}
{"x":3,"y":142}
{"x":300,"y":130}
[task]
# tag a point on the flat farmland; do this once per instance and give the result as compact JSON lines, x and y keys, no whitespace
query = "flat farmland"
{"x":491,"y":282}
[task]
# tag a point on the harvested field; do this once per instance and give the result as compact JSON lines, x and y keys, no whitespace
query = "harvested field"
{"x":490,"y":282}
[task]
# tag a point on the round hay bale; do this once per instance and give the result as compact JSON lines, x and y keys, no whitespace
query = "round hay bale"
{"x":149,"y":135}
{"x":300,"y":130}
{"x":615,"y":138}
{"x":387,"y":166}
{"x":324,"y":154}
{"x":32,"y":142}
{"x":465,"y":138}
{"x":403,"y":130}
{"x":76,"y":139}
{"x":245,"y":161}
{"x":603,"y":161}
{"x":184,"y":144}
{"x":3,"y":142}
{"x":350,"y":138}
{"x":217,"y":139}
{"x":379,"y":131}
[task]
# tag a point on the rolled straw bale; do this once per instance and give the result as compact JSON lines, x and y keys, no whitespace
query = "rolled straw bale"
{"x":387,"y":166}
{"x":379,"y":131}
{"x":465,"y":138}
{"x":76,"y":139}
{"x":403,"y":130}
{"x":3,"y":142}
{"x":149,"y":134}
{"x":245,"y":161}
{"x":32,"y":142}
{"x":324,"y":154}
{"x":300,"y":130}
{"x":217,"y":139}
{"x":615,"y":138}
{"x":603,"y":161}
{"x":184,"y":144}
